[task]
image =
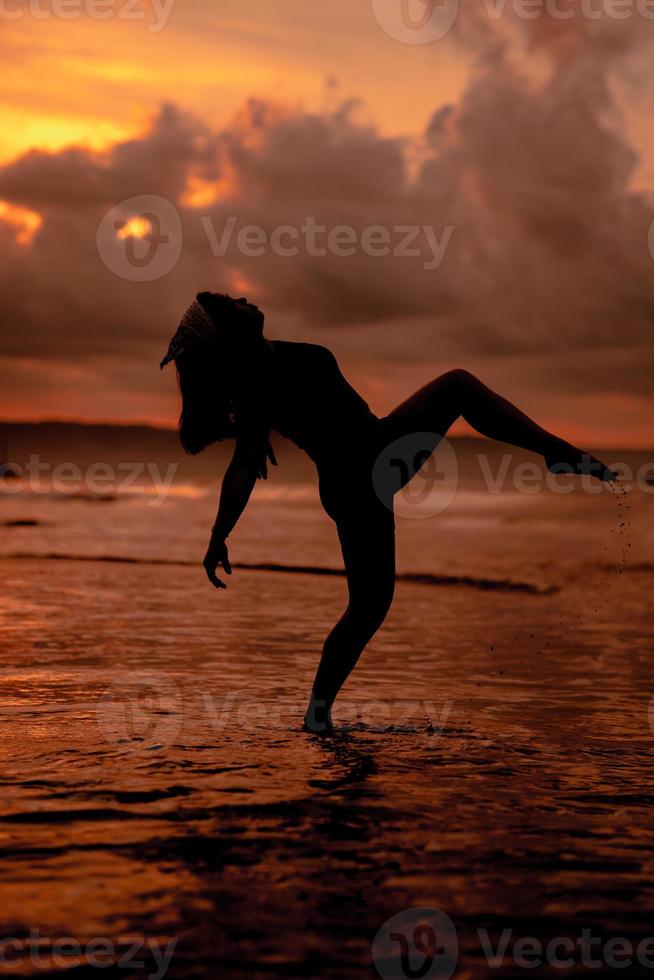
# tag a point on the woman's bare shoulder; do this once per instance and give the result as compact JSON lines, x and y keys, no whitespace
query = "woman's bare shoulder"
{"x":314,"y":351}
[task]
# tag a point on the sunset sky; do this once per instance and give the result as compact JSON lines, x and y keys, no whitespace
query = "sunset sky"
{"x":530,"y":140}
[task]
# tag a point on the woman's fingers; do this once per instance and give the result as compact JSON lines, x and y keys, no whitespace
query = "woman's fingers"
{"x":210,"y":569}
{"x":215,"y":556}
{"x":224,"y":561}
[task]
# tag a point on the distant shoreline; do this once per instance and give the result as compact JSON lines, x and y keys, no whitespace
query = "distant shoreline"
{"x":118,"y":427}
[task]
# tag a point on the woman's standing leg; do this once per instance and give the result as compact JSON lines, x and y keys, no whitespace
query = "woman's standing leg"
{"x":368,"y":544}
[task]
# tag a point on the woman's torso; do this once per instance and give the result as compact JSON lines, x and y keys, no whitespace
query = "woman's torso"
{"x":308,"y":400}
{"x":302,"y":395}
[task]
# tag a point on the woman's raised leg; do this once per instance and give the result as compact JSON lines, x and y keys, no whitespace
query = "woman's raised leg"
{"x":368,"y":545}
{"x":459,"y":394}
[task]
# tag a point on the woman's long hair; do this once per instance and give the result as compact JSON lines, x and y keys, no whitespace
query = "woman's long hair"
{"x":208,"y":413}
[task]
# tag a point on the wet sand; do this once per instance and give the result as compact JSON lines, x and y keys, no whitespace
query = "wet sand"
{"x":494,"y":759}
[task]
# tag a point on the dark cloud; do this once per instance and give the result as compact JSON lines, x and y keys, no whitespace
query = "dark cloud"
{"x":549,"y":256}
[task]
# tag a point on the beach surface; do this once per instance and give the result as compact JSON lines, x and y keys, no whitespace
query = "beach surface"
{"x":492,"y":763}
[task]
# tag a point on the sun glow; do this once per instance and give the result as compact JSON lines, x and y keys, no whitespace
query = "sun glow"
{"x":25,"y":223}
{"x":200,"y":192}
{"x":239,"y":284}
{"x":137,"y":227}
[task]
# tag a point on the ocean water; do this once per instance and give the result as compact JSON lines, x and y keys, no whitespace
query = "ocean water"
{"x":492,"y":764}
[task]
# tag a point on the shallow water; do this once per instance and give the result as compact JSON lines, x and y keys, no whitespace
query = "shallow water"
{"x":493,"y":762}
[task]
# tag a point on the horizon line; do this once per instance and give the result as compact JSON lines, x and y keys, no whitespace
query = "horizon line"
{"x":162,"y":427}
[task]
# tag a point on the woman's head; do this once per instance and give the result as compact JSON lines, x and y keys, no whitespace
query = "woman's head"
{"x":216,"y":340}
{"x":239,"y":324}
{"x":231,"y":326}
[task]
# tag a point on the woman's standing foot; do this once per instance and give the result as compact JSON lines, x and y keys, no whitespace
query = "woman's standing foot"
{"x":318,"y":719}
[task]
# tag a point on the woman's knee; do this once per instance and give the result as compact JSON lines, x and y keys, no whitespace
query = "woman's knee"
{"x":460,"y":378}
{"x":366,"y":614}
{"x":462,"y":388}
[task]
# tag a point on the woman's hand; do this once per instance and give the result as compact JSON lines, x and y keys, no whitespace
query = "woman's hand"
{"x":262,"y":467}
{"x":216,"y":555}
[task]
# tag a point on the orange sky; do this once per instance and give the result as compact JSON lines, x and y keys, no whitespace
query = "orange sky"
{"x":105,"y":77}
{"x":98,"y":83}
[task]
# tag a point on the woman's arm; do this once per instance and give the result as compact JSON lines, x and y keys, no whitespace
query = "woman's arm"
{"x":249,"y":463}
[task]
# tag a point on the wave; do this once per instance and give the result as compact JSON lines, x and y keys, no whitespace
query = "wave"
{"x":643,"y":566}
{"x":414,"y":578}
{"x":21,"y":522}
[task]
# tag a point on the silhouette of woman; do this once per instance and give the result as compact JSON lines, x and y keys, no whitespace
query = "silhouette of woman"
{"x":237,"y":384}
